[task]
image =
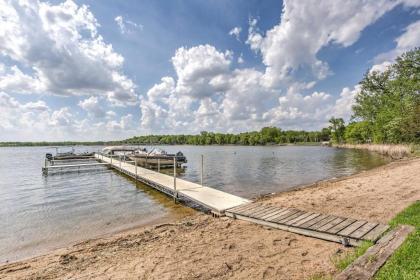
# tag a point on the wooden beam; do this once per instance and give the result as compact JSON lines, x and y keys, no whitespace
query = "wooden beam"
{"x":366,"y":266}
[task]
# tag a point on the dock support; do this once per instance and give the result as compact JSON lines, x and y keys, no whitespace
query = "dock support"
{"x":158,"y":164}
{"x":135,"y":164}
{"x":120,"y":162}
{"x":175,"y":192}
{"x":202,"y":169}
{"x":45,"y":169}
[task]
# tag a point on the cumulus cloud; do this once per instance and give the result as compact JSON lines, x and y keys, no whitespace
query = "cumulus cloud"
{"x":61,"y":46}
{"x":196,"y":68}
{"x":308,"y":26}
{"x":127,"y":26}
{"x":92,"y":106}
{"x":407,"y":41}
{"x":236,"y":32}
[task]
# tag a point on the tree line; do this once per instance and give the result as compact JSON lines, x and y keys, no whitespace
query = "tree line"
{"x":267,"y":135}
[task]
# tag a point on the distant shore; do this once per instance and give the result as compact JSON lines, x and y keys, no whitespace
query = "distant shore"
{"x":203,"y":247}
{"x":100,"y":143}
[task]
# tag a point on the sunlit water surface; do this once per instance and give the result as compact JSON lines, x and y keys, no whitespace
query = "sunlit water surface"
{"x":39,"y":213}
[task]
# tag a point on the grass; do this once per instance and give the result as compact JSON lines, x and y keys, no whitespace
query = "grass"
{"x":343,"y":261}
{"x":404,"y":264}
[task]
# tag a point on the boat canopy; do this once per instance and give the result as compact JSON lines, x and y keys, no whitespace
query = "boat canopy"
{"x":112,"y":149}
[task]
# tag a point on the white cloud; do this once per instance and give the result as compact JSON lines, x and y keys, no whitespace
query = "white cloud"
{"x":127,"y":26}
{"x":61,"y":46}
{"x":197,"y":66}
{"x":308,"y":26}
{"x":407,"y":41}
{"x":92,"y":106}
{"x":342,"y":106}
{"x":236,"y":32}
{"x":241,"y":59}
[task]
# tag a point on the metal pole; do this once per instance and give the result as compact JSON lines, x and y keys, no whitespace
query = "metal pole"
{"x":135,"y":164}
{"x":175,"y":192}
{"x":202,"y":169}
{"x":120,"y":161}
{"x":158,"y":164}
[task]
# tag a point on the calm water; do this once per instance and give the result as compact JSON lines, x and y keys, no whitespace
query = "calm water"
{"x":39,"y":213}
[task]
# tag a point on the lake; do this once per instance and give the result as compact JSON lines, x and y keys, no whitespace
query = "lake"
{"x":39,"y":213}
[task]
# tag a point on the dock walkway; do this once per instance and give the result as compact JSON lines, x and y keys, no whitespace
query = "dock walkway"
{"x":324,"y":226}
{"x":328,"y":227}
{"x":217,"y":201}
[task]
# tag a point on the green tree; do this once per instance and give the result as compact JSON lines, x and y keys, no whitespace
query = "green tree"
{"x":337,"y":129}
{"x":389,"y":101}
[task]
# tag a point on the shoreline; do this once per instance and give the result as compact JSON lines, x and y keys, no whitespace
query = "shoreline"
{"x":234,"y":246}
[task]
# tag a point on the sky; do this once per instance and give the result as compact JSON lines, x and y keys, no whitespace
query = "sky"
{"x":107,"y":70}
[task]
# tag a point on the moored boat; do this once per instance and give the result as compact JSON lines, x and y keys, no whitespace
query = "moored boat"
{"x":68,"y":155}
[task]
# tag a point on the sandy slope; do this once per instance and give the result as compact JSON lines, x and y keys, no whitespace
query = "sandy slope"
{"x":202,"y":247}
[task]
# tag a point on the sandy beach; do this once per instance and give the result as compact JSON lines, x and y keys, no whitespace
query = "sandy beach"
{"x":203,"y":247}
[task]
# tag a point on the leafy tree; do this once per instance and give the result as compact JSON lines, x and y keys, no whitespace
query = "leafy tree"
{"x":358,"y":132}
{"x":337,"y":129}
{"x":389,"y":101}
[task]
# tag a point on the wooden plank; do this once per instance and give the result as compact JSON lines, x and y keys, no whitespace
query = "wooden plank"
{"x":286,"y":219}
{"x":366,"y":266}
{"x":271,"y":210}
{"x":330,"y":224}
{"x":313,"y":221}
{"x":363,"y":230}
{"x":302,"y":231}
{"x":250,"y":211}
{"x":354,"y":226}
{"x":375,"y":233}
{"x":323,"y":222}
{"x":250,"y":207}
{"x":240,"y":207}
{"x":263,"y":209}
{"x":300,"y":222}
{"x":279,"y":210}
{"x":282,"y":214}
{"x":301,"y":217}
{"x":341,"y":226}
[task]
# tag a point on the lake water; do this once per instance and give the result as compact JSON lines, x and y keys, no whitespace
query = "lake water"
{"x":39,"y":213}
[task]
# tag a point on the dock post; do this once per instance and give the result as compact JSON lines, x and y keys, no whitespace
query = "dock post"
{"x":158,"y":164}
{"x":135,"y":164}
{"x":111,"y":158}
{"x":175,"y":192}
{"x":120,"y":161}
{"x":202,"y":169}
{"x":45,"y":169}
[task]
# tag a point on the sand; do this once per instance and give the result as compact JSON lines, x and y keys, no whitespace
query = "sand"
{"x":203,"y":247}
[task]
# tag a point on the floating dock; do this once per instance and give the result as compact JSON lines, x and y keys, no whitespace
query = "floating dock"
{"x":217,"y":201}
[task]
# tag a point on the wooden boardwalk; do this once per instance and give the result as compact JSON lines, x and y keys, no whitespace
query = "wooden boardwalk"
{"x":215,"y":200}
{"x":328,"y":227}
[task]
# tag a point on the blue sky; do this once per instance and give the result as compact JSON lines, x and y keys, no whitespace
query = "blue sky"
{"x":90,"y":70}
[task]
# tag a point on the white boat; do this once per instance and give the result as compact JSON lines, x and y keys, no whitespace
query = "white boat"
{"x":157,"y":157}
